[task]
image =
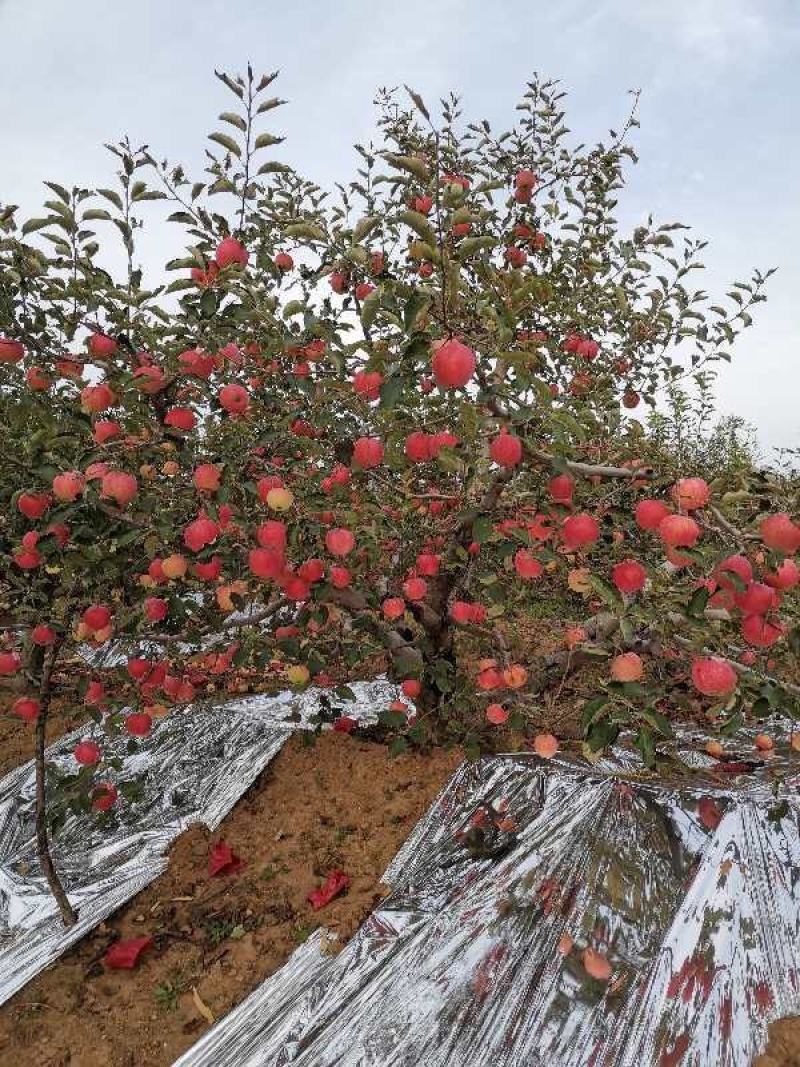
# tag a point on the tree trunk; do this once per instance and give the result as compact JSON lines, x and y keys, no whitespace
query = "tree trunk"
{"x":68,"y":913}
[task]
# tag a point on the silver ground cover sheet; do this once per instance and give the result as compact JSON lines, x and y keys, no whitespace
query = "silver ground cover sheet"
{"x":688,"y":886}
{"x":196,"y":764}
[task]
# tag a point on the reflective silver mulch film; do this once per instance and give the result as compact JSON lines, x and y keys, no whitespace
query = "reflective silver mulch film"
{"x":689,"y":887}
{"x":197,"y":763}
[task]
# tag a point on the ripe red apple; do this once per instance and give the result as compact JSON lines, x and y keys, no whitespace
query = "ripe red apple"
{"x":101,"y":346}
{"x":417,"y":447}
{"x":26,"y":708}
{"x":104,"y":796}
{"x":368,"y":452}
{"x":453,"y":364}
{"x":691,"y":493}
{"x":516,"y":257}
{"x":428,"y":564}
{"x":368,"y":384}
{"x":230,"y":251}
{"x":338,"y":282}
{"x":33,"y":505}
{"x":760,"y":631}
{"x":339,"y":542}
{"x":579,"y":530}
{"x":363,"y":290}
{"x":283,"y":261}
{"x":496,"y":714}
{"x":266,"y":562}
{"x":679,"y":531}
{"x":649,"y":513}
{"x":526,"y":565}
{"x":10,"y":351}
{"x":197,"y":362}
{"x":97,"y":617}
{"x":785,"y":577}
{"x":415,"y":589}
{"x":629,"y":576}
{"x":119,"y":487}
{"x":779,"y":533}
{"x":234,"y":399}
{"x":104,"y":430}
{"x":506,"y":449}
{"x":206,"y":477}
{"x":37,"y":380}
{"x":561,"y":489}
{"x":200,"y":533}
{"x":627,"y":667}
{"x":138,"y":724}
{"x":42,"y":634}
{"x":423,"y":204}
{"x":732,"y":566}
{"x":10,"y":663}
{"x":155,"y":609}
{"x":68,"y":486}
{"x":714,"y":677}
{"x":87,"y":753}
{"x":393,"y":607}
{"x":180,"y":418}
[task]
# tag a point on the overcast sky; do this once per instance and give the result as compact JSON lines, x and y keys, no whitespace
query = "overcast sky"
{"x":720,"y":83}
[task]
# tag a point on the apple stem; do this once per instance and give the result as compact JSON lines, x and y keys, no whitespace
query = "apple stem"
{"x":68,"y":913}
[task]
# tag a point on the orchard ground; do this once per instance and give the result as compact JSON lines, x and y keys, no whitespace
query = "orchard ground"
{"x":216,"y":938}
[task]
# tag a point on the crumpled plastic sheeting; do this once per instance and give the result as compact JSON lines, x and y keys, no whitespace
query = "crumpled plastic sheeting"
{"x":690,"y":887}
{"x":198,"y":763}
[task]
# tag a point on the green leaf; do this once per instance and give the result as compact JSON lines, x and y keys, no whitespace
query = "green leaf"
{"x":732,"y":725}
{"x":408,"y":163}
{"x":390,"y":392}
{"x":591,"y":709}
{"x":419,"y":102}
{"x":36,"y":224}
{"x":268,"y":105}
{"x":364,"y":227}
{"x":482,"y":529}
{"x":115,"y":198}
{"x":264,"y":140}
{"x":601,"y":734}
{"x":398,"y":747}
{"x":697,"y":605}
{"x":414,"y":307}
{"x":308,"y":231}
{"x":234,"y":120}
{"x":369,"y":309}
{"x":647,"y":747}
{"x":226,"y":142}
{"x":605,"y":589}
{"x":208,"y":304}
{"x":99,"y":213}
{"x":657,"y":721}
{"x":419,"y":224}
{"x":232,"y":85}
{"x":470,"y":245}
{"x":59,"y":190}
{"x":274,"y":168}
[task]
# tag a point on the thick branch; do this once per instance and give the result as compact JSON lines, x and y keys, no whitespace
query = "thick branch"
{"x":68,"y":913}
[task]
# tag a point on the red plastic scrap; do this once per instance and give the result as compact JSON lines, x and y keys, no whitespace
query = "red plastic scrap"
{"x":124,"y":955}
{"x":223,"y":860}
{"x":334,"y":884}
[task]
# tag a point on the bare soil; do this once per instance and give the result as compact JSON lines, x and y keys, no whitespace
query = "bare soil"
{"x":783,"y":1049}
